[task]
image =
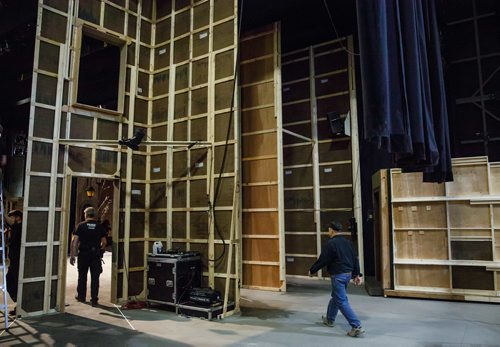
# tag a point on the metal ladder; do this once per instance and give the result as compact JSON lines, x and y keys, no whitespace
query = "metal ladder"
{"x":3,"y":284}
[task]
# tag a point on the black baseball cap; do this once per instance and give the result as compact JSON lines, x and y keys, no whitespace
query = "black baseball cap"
{"x":335,"y":225}
{"x":15,"y":213}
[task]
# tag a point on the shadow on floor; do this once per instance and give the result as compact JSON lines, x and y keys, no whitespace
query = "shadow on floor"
{"x":69,"y":329}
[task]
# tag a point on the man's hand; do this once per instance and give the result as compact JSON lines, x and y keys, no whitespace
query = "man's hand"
{"x":358,"y":280}
{"x":72,"y":260}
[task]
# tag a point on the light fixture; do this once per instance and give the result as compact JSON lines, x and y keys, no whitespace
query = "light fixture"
{"x":135,"y":141}
{"x":90,"y":191}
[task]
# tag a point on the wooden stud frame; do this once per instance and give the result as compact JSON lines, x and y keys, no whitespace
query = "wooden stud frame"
{"x":305,"y":92}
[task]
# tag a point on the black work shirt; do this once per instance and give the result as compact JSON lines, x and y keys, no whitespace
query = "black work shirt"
{"x":338,"y":256}
{"x":15,"y":245}
{"x":89,"y":234}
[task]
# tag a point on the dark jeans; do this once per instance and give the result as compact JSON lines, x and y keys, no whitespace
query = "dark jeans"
{"x":86,"y":262}
{"x":12,"y":281}
{"x":340,"y":302}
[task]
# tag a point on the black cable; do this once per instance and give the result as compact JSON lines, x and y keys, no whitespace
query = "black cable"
{"x":335,"y":30}
{"x":213,"y":205}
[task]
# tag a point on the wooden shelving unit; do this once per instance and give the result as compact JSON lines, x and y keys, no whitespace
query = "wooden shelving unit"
{"x":446,"y":237}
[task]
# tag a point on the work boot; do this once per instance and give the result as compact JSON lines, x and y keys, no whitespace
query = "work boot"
{"x":77,"y":298}
{"x":94,"y":303}
{"x":13,"y":312}
{"x":327,"y":322}
{"x":355,"y":332}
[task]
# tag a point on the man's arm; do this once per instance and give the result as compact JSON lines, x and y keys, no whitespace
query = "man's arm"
{"x":323,"y":260}
{"x":73,"y":249}
{"x":356,"y":275}
{"x":104,"y":242}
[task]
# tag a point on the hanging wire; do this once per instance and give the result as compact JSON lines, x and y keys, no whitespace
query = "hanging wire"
{"x":335,"y":30}
{"x":212,"y":206}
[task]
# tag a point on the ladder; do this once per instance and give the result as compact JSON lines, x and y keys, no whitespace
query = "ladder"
{"x":3,"y":284}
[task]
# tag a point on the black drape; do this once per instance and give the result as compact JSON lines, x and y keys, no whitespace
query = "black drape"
{"x":403,"y":86}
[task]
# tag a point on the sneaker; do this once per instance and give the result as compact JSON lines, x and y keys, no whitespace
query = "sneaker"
{"x":355,"y":332}
{"x":327,"y":322}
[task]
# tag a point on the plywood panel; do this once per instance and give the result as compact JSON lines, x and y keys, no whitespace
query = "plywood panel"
{"x":468,"y":180}
{"x":259,"y":145}
{"x":297,"y":112}
{"x":472,"y":277}
{"x":263,"y":170}
{"x":335,"y":151}
{"x":296,"y":91}
{"x":261,"y":249}
{"x":258,"y":119}
{"x":301,"y":244}
{"x":464,"y":215}
{"x":496,"y":216}
{"x":261,"y":275}
{"x":423,"y":276}
{"x":495,"y":179}
{"x":296,"y":70}
{"x":260,"y":223}
{"x":332,"y":84}
{"x":260,"y":196}
{"x":299,"y":221}
{"x":421,"y":244}
{"x":255,"y":95}
{"x":299,"y":177}
{"x":298,"y":266}
{"x":336,"y":198}
{"x":335,"y":174}
{"x":257,"y":71}
{"x":409,"y":185}
{"x":419,"y":215}
{"x":299,"y":199}
{"x":297,"y":155}
{"x":471,"y":250}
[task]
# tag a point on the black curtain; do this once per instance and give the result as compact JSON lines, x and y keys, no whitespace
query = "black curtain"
{"x":404,"y":98}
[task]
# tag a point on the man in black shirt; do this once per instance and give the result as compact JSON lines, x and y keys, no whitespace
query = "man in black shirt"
{"x":342,"y":263}
{"x":89,"y":240}
{"x":14,"y":255}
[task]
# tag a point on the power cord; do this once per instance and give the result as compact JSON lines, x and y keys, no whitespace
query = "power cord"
{"x":213,"y":205}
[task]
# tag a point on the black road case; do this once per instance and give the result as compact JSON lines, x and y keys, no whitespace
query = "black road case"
{"x":171,"y":276}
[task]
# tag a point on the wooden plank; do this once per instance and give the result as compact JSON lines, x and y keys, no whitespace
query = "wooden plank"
{"x":410,"y":185}
{"x":469,"y":181}
{"x":421,"y":244}
{"x":261,"y":250}
{"x":381,"y":228}
{"x":261,"y":275}
{"x":419,"y":215}
{"x":423,"y":295}
{"x":260,"y":197}
{"x":464,"y":215}
{"x":422,"y":276}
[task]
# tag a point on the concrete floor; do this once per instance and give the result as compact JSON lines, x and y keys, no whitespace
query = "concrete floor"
{"x":267,"y":319}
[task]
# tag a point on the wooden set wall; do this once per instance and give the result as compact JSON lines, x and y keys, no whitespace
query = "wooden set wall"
{"x":202,"y":198}
{"x":176,"y":81}
{"x":446,"y":237}
{"x":261,"y":148}
{"x":321,"y":173}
